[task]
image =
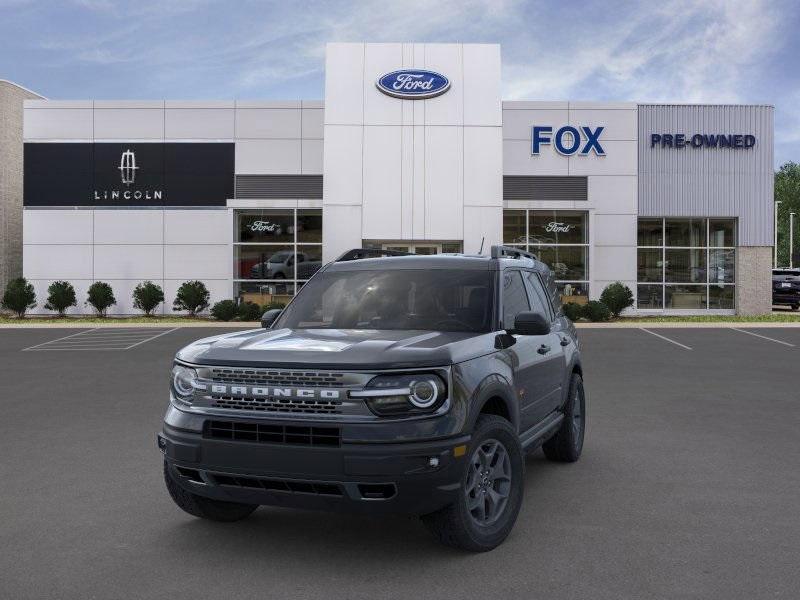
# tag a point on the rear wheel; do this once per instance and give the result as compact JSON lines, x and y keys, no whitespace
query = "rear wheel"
{"x":205,"y":508}
{"x":566,"y":445}
{"x":491,"y":490}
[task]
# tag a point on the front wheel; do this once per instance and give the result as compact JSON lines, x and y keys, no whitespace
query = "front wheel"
{"x":566,"y":445}
{"x":205,"y":508}
{"x":491,"y":490}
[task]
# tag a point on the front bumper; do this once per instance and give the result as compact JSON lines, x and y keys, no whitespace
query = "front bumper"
{"x":785,"y":296}
{"x":408,"y":478}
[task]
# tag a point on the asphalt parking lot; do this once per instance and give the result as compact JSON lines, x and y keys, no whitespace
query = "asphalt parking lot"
{"x":689,"y":486}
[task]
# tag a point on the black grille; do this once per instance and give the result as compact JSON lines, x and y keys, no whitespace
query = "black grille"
{"x":273,"y":434}
{"x":279,"y":186}
{"x":544,"y":187}
{"x":277,"y":378}
{"x":280,"y":405}
{"x":279,"y":485}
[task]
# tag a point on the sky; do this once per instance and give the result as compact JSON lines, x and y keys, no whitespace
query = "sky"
{"x":713,"y":51}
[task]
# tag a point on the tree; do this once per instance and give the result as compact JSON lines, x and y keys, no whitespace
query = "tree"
{"x":60,"y":296}
{"x":787,"y":191}
{"x":224,"y":310}
{"x":192,"y":296}
{"x":147,"y":296}
{"x":19,"y":297}
{"x":101,"y":297}
{"x":617,"y":297}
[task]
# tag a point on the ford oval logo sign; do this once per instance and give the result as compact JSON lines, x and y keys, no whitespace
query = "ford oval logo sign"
{"x":413,"y":84}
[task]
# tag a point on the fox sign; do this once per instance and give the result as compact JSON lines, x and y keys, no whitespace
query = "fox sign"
{"x":568,"y":140}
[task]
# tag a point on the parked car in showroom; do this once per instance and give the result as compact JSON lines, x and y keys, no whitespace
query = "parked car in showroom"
{"x":389,"y":384}
{"x":786,"y":287}
{"x":281,"y":266}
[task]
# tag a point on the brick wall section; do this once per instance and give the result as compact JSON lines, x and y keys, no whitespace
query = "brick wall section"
{"x":11,"y":101}
{"x":753,"y":280}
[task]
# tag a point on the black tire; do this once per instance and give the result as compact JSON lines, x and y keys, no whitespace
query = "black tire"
{"x":456,"y":525}
{"x":795,"y":306}
{"x":205,"y":508}
{"x":566,"y":445}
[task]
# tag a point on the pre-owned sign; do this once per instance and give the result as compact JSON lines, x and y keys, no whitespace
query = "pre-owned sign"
{"x":702,"y":140}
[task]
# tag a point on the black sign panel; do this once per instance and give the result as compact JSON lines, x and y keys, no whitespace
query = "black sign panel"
{"x":128,"y":174}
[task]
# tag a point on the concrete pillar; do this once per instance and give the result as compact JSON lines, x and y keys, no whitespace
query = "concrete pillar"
{"x":753,"y":280}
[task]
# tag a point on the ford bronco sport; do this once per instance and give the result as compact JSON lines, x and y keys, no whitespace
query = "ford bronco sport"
{"x":405,"y":384}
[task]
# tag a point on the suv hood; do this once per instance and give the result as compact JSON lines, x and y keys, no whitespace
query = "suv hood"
{"x":338,"y":348}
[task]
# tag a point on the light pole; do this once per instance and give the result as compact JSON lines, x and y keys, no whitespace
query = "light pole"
{"x":791,"y":238}
{"x":777,"y":202}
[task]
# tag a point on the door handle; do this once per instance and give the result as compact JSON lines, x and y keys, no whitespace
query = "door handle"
{"x":543,"y":349}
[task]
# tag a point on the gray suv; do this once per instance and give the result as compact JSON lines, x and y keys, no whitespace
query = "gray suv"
{"x":390,"y":384}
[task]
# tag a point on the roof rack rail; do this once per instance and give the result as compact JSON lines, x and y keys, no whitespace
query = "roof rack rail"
{"x":359,"y":253}
{"x":511,"y":252}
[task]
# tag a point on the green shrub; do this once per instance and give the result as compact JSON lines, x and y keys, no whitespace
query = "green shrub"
{"x":224,"y":310}
{"x":60,"y":296}
{"x":617,"y":297}
{"x":101,"y":297}
{"x":574,"y":311}
{"x":596,"y":311}
{"x":147,"y":296}
{"x":192,"y":296}
{"x":249,"y":311}
{"x":273,"y":304}
{"x":19,"y":297}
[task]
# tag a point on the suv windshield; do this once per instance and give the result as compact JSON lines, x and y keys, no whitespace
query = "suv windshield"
{"x":436,"y":300}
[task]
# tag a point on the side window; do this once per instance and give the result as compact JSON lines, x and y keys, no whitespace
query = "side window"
{"x":539,"y":302}
{"x":515,"y":299}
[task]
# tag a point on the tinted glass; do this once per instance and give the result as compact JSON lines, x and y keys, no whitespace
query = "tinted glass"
{"x":685,"y":296}
{"x":273,"y":292}
{"x":309,"y":260}
{"x":566,"y":262}
{"x":558,"y":227}
{"x":721,"y":266}
{"x":649,"y":296}
{"x":721,"y":297}
{"x":685,"y":266}
{"x":309,"y":226}
{"x":685,"y":232}
{"x":650,"y":232}
{"x":537,"y":296}
{"x":409,"y":299}
{"x":264,"y":262}
{"x":514,"y":227}
{"x":721,"y":232}
{"x":266,"y":226}
{"x":515,"y":298}
{"x":649,"y":262}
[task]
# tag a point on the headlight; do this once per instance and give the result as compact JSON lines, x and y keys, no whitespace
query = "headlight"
{"x":183,"y":379}
{"x":398,"y":395}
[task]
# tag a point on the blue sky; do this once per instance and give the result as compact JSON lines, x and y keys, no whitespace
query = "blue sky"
{"x":665,"y":50}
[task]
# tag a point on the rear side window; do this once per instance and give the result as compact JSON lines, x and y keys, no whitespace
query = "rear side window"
{"x":515,"y":298}
{"x":538,"y":297}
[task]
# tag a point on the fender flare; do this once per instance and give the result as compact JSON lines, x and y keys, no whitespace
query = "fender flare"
{"x":493,"y":386}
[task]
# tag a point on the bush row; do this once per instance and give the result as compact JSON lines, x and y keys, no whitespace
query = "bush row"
{"x":19,"y":297}
{"x":614,"y":299}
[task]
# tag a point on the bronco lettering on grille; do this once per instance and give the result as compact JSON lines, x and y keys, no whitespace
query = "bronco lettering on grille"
{"x":261,"y":391}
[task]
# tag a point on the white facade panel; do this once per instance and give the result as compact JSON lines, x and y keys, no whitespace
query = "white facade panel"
{"x":312,"y":157}
{"x":517,"y":123}
{"x":341,"y":230}
{"x":198,"y":261}
{"x":613,"y":194}
{"x":128,"y":124}
{"x":620,"y":159}
{"x":344,"y":84}
{"x":268,"y":123}
{"x":482,"y":104}
{"x":58,"y":124}
{"x":57,"y":226}
{"x":268,"y":157}
{"x":617,"y":124}
{"x":482,"y":224}
{"x":382,"y":213}
{"x":447,"y":109}
{"x":614,"y":230}
{"x":613,"y":263}
{"x":199,"y":123}
{"x":313,"y":123}
{"x":483,"y":166}
{"x":517,"y":160}
{"x":128,"y":261}
{"x":193,"y":226}
{"x":342,"y":183}
{"x":128,"y":227}
{"x":380,"y":109}
{"x":67,"y":261}
{"x":444,"y":183}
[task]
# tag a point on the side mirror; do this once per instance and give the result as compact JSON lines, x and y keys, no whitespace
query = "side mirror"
{"x":269,"y":317}
{"x":531,"y":323}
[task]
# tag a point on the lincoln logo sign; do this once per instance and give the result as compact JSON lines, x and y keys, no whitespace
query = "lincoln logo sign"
{"x":127,"y":167}
{"x":413,"y":84}
{"x":127,"y":173}
{"x":568,"y":140}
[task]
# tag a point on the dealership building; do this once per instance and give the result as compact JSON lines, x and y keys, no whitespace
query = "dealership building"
{"x":412,"y":149}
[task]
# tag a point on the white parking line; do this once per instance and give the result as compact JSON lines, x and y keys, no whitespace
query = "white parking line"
{"x":152,"y":338}
{"x":763,"y":337}
{"x":59,"y":339}
{"x":663,"y":337}
{"x":99,"y":339}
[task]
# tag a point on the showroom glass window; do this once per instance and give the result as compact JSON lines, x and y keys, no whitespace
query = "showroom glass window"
{"x":275,"y":252}
{"x":560,"y":238}
{"x":687,"y":264}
